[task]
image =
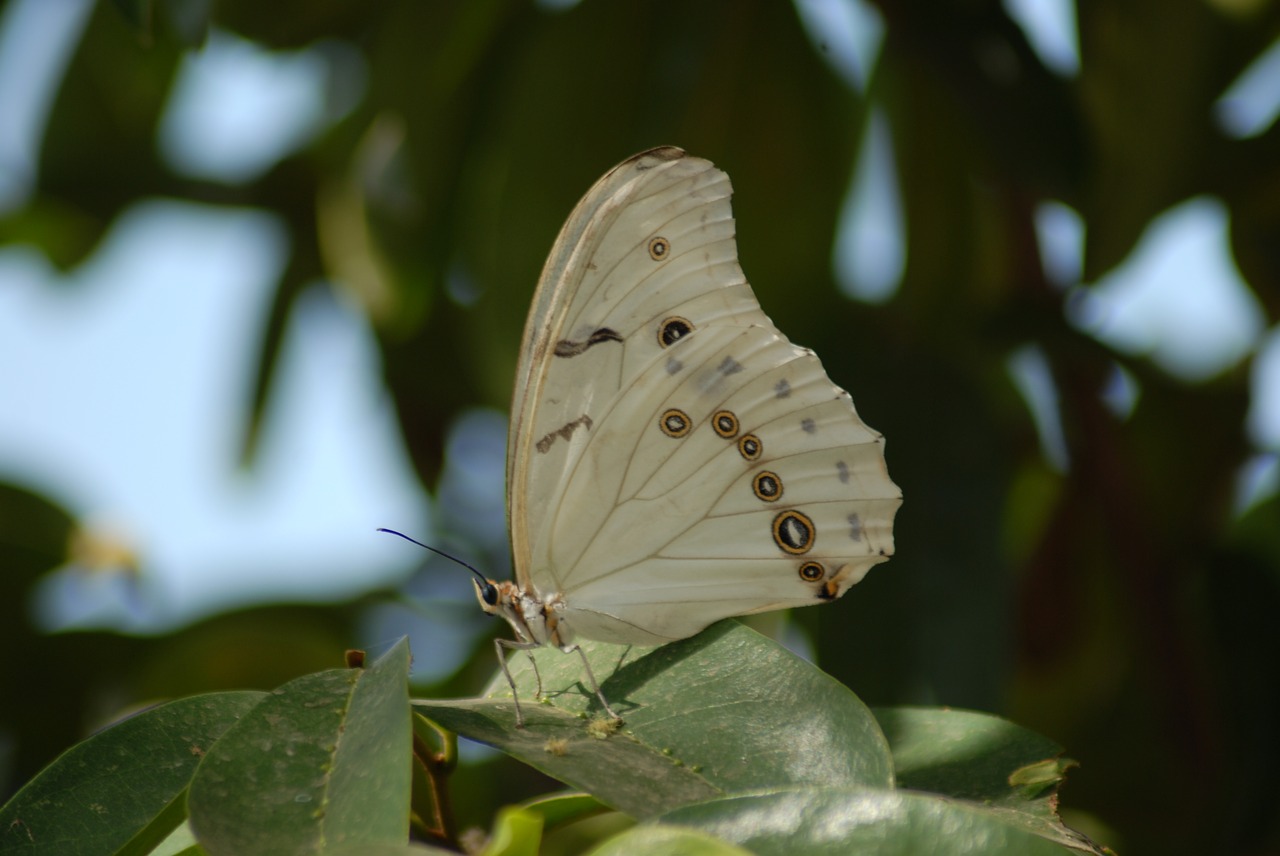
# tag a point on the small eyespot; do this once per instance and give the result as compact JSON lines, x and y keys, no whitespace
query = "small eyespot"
{"x":725,"y":424}
{"x":767,"y":486}
{"x":659,"y":248}
{"x":674,"y":423}
{"x":793,"y":533}
{"x":673,"y":329}
{"x":750,"y":447}
{"x":811,"y":572}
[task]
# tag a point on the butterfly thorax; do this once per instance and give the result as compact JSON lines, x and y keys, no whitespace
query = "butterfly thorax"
{"x":534,"y":619}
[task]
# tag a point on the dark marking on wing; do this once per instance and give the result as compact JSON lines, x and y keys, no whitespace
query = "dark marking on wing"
{"x":782,"y":389}
{"x":564,"y":432}
{"x":570,"y":348}
{"x":729,"y":366}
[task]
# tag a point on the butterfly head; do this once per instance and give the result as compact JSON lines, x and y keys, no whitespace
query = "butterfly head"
{"x":499,"y":599}
{"x":488,"y":595}
{"x":524,"y":611}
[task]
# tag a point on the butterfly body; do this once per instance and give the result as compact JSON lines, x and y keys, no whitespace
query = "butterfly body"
{"x":673,"y":459}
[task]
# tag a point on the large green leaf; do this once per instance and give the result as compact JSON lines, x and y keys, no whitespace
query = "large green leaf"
{"x":122,"y":784}
{"x":321,"y":763}
{"x":725,"y":711}
{"x":867,"y":822}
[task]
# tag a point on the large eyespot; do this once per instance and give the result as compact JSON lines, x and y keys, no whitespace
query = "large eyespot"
{"x":659,"y":248}
{"x":749,"y":447}
{"x":767,"y":486}
{"x":673,"y":329}
{"x":793,"y":532}
{"x":725,"y":424}
{"x":811,"y":572}
{"x":674,"y":423}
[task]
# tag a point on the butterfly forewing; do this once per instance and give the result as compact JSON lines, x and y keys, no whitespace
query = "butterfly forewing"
{"x":674,"y":459}
{"x":599,"y":288}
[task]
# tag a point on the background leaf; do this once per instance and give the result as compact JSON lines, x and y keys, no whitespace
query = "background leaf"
{"x":103,"y":792}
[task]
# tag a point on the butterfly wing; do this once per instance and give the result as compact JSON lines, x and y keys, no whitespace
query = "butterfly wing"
{"x":674,"y":460}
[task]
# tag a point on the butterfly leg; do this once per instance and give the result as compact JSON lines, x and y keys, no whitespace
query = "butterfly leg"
{"x":537,"y":676}
{"x":592,"y":678}
{"x":502,"y":646}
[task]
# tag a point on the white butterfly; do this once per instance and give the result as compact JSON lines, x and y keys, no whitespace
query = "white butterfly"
{"x":672,"y":459}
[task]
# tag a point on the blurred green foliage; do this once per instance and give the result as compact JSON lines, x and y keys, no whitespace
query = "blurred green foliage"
{"x":1120,"y":607}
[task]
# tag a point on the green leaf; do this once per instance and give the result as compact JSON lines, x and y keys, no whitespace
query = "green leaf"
{"x":985,"y":759}
{"x":666,"y":841}
{"x":162,"y":828}
{"x":725,"y":711}
{"x":867,"y":822}
{"x":565,"y":807}
{"x":622,"y":771}
{"x":516,"y":832}
{"x":180,"y":842}
{"x":113,"y":787}
{"x":979,"y":757}
{"x":323,"y":762}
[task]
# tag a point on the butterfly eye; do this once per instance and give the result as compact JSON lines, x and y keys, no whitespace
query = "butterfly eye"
{"x":673,"y":329}
{"x":811,"y":572}
{"x":488,"y":593}
{"x":659,"y":248}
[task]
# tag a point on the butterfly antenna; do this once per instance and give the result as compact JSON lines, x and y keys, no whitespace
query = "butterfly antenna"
{"x":482,"y":577}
